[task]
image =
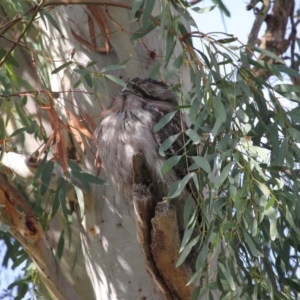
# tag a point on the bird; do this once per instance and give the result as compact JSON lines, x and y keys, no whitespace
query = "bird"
{"x":127,"y":127}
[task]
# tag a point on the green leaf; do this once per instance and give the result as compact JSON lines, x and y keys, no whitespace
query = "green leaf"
{"x":227,"y":274}
{"x":60,"y":246}
{"x":196,"y":293}
{"x":61,"y":67}
{"x":164,"y":121}
{"x":198,"y":77}
{"x":291,"y":222}
{"x":219,"y":108}
{"x":265,"y":65}
{"x":202,"y":163}
{"x":18,"y":131}
{"x":51,"y":20}
{"x":170,"y":163}
{"x":242,"y":116}
{"x":264,"y":189}
{"x":10,"y":59}
{"x":115,"y":79}
{"x":4,"y":227}
{"x":187,"y":210}
{"x":227,"y":41}
{"x":46,"y":176}
{"x":204,"y":9}
{"x":143,"y":31}
{"x":187,"y":250}
{"x":272,"y":214}
{"x":174,"y":69}
{"x":286,"y":88}
{"x":136,"y":6}
{"x":148,"y":7}
{"x":216,"y":128}
{"x":25,"y":120}
{"x":252,"y":247}
{"x":62,"y":195}
{"x":201,"y":263}
{"x":223,"y":176}
{"x":154,"y":71}
{"x":163,"y":16}
{"x":293,"y":283}
{"x":268,"y":53}
{"x":5,"y":85}
{"x":167,"y":144}
{"x":113,"y":67}
{"x":294,"y":133}
{"x":171,"y":42}
{"x":91,"y":63}
{"x":188,"y":233}
{"x":193,"y":135}
{"x":228,"y":225}
{"x":80,"y":199}
{"x":87,"y":178}
{"x":288,"y":71}
{"x":83,"y":72}
{"x":61,"y":185}
{"x":40,"y":167}
{"x":245,"y":61}
{"x":177,"y":187}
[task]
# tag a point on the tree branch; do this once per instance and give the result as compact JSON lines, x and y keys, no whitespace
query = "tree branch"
{"x":260,"y":17}
{"x":23,"y":225}
{"x":274,"y":38}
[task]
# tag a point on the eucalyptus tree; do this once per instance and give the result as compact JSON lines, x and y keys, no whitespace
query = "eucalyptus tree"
{"x":61,"y":63}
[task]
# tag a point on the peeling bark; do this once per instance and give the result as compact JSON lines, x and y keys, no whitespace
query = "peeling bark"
{"x":24,"y":226}
{"x":159,"y":236}
{"x":274,"y":39}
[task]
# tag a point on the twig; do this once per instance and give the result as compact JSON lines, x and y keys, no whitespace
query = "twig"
{"x":36,"y":10}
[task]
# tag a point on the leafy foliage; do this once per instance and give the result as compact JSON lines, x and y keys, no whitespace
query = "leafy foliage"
{"x":245,"y":166}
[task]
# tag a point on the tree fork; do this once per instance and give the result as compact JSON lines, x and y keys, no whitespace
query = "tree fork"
{"x":158,"y":236}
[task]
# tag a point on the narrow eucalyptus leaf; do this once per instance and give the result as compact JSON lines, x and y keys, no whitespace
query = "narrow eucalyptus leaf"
{"x":112,"y":68}
{"x":136,"y":5}
{"x":272,"y":214}
{"x":80,"y":199}
{"x":148,"y":7}
{"x":223,"y":176}
{"x":202,"y":163}
{"x":46,"y":176}
{"x":63,"y":66}
{"x":294,"y":133}
{"x":174,"y":69}
{"x":143,"y":31}
{"x":204,"y":9}
{"x":164,"y":121}
{"x":115,"y":79}
{"x":269,"y":53}
{"x":227,"y":274}
{"x":60,"y":246}
{"x":193,"y":135}
{"x":187,"y":250}
{"x":167,"y":144}
{"x":170,"y":163}
{"x":177,"y":187}
{"x":252,"y":247}
{"x":187,"y":210}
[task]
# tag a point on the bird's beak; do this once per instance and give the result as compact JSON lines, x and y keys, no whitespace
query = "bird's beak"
{"x":125,"y":90}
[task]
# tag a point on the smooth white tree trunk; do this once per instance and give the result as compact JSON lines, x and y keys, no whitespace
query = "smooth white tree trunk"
{"x":111,"y":255}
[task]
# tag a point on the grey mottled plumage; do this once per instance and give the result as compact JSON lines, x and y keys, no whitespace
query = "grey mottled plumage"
{"x":127,"y":128}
